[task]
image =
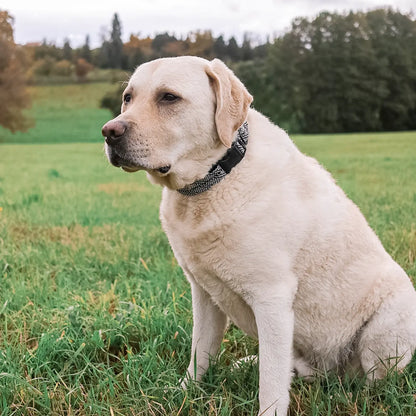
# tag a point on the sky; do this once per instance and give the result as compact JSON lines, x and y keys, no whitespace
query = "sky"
{"x":75,"y":19}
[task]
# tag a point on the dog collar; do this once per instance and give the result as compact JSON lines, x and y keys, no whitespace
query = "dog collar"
{"x":219,"y":170}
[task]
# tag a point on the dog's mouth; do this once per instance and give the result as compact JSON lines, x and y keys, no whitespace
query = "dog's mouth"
{"x":130,"y":166}
{"x":162,"y":170}
{"x":130,"y":169}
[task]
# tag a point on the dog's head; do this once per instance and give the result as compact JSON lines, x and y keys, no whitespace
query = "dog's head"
{"x":176,"y":117}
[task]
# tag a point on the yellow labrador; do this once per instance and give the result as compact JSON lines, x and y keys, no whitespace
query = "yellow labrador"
{"x":263,"y":234}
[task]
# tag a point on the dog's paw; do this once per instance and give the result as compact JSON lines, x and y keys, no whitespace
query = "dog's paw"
{"x":185,"y":381}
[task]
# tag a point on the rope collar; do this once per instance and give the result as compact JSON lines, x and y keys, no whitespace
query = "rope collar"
{"x":219,"y":170}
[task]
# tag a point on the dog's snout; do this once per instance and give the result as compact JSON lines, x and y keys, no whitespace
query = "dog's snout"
{"x":113,"y":131}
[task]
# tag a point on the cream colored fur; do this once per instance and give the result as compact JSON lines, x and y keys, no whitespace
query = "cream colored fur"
{"x":276,"y":247}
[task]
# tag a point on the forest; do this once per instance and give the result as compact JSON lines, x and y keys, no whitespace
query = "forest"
{"x":332,"y":73}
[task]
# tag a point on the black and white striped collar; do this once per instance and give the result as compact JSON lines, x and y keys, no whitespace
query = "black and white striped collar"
{"x":219,"y":170}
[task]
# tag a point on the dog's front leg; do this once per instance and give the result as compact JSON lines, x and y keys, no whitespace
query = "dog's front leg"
{"x":208,"y":329}
{"x":275,"y":321}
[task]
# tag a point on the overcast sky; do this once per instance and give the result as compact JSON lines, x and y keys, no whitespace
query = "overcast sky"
{"x":53,"y":20}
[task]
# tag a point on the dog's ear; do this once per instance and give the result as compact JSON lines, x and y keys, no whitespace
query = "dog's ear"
{"x":233,"y":100}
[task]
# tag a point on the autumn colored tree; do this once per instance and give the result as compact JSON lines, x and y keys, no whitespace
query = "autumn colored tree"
{"x":82,"y":68}
{"x":14,"y":97}
{"x":201,"y":43}
{"x":160,"y":44}
{"x":137,"y":50}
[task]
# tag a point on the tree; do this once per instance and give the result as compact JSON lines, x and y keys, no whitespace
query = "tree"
{"x":393,"y":38}
{"x":220,"y":48}
{"x":137,"y":50}
{"x":116,"y":44}
{"x":339,"y":73}
{"x":111,"y":52}
{"x":233,"y":50}
{"x":14,"y":97}
{"x":82,"y":68}
{"x":160,"y":43}
{"x":48,"y":50}
{"x":85,"y":52}
{"x":67,"y":51}
{"x":104,"y":56}
{"x":201,"y":43}
{"x":246,"y":49}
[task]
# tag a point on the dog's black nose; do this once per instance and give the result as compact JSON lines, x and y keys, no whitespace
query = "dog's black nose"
{"x":113,"y":131}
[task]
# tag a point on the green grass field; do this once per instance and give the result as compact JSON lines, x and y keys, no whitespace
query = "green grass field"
{"x":95,"y":314}
{"x":64,"y":113}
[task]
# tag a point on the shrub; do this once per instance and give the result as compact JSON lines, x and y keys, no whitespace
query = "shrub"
{"x":82,"y":68}
{"x":62,"y":68}
{"x":112,"y":100}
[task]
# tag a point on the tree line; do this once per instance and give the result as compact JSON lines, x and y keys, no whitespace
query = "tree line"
{"x":335,"y":72}
{"x":339,"y":73}
{"x":114,"y":53}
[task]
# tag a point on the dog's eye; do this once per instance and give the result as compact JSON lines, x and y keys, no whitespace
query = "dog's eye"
{"x":127,"y":98}
{"x":169,"y":97}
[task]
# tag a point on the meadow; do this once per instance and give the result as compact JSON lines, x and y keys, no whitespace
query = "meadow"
{"x":95,"y":314}
{"x":64,"y":113}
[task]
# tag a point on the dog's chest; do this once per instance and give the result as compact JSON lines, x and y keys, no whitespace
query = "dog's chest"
{"x":205,"y":254}
{"x":207,"y":249}
{"x":201,"y":236}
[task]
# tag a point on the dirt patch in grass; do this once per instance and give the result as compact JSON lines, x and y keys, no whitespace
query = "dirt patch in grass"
{"x":105,"y":242}
{"x":114,"y":188}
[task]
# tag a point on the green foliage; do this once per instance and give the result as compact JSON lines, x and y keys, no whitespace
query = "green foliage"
{"x":160,"y":42}
{"x":85,"y":51}
{"x":339,"y":73}
{"x":112,"y":100}
{"x":67,"y":50}
{"x":111,"y":52}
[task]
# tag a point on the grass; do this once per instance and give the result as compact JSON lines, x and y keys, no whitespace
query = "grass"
{"x":95,"y":314}
{"x":64,"y":113}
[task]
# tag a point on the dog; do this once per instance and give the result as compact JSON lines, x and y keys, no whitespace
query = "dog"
{"x":262,"y":232}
